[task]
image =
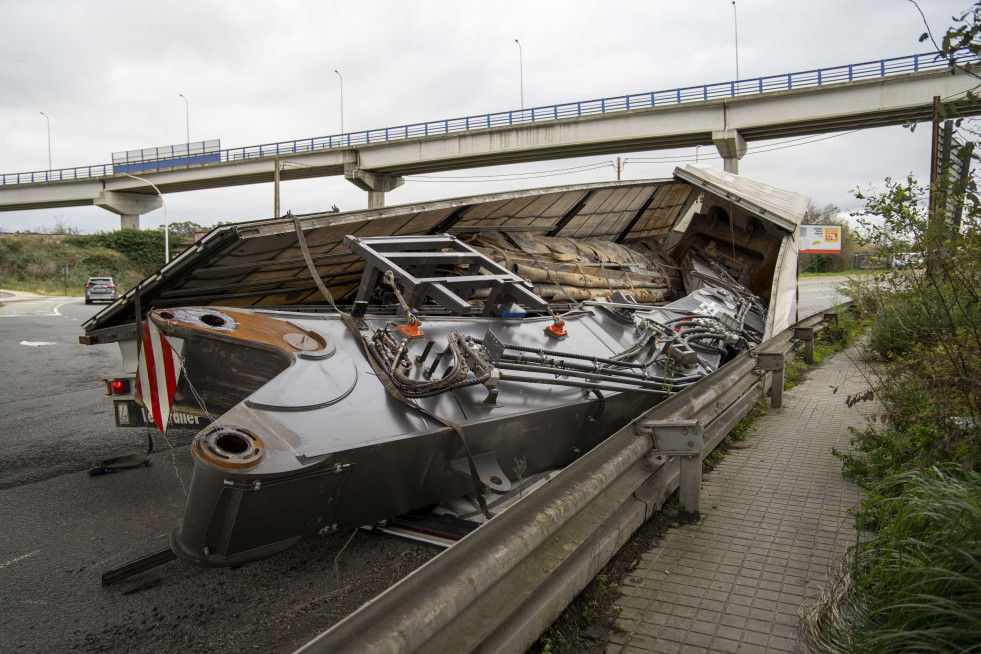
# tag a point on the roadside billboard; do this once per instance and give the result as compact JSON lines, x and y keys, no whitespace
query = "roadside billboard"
{"x":820,"y":239}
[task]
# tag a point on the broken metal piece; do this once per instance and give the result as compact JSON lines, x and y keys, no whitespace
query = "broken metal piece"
{"x":141,"y":564}
{"x":421,"y":359}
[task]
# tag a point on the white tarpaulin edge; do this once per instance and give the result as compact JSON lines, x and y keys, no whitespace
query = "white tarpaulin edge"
{"x":778,"y":206}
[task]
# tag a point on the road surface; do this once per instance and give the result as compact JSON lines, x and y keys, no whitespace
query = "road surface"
{"x":62,"y":528}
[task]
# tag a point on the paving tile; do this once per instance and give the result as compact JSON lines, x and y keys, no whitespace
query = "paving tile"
{"x":697,"y":643}
{"x":733,"y":620}
{"x":755,"y":638}
{"x":665,"y":647}
{"x":673,"y":635}
{"x":704,"y":627}
{"x":725,"y":646}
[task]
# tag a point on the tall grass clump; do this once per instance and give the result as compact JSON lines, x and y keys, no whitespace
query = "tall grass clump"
{"x":915,"y":585}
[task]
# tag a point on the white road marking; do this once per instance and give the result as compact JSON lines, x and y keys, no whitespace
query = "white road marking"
{"x":18,"y":558}
{"x":36,"y":308}
{"x":37,"y":343}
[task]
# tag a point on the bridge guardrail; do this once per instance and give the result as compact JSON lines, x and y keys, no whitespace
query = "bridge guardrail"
{"x":652,"y":99}
{"x":499,"y":588}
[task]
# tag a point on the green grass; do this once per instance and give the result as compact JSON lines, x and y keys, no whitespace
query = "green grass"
{"x":915,"y":585}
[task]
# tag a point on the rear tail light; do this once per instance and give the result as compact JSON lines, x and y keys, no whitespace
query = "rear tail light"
{"x":88,"y":286}
{"x":110,"y":286}
{"x":116,"y":386}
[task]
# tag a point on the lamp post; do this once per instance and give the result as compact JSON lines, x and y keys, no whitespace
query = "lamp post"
{"x":342,"y":98}
{"x":735,"y":27}
{"x":166,"y":222}
{"x":521,"y":70}
{"x":49,"y":137}
{"x":187,"y":117}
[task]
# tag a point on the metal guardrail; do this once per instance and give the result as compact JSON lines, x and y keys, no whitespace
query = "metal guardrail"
{"x":498,"y":589}
{"x":622,"y":103}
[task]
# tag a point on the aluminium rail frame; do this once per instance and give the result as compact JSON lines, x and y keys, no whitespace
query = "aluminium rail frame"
{"x":499,"y":588}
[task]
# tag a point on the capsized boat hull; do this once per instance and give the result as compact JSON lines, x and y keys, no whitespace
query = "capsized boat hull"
{"x":323,"y":445}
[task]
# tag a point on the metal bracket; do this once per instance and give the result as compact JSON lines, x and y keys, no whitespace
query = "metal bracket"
{"x":771,"y":360}
{"x":684,"y":439}
{"x":676,"y":437}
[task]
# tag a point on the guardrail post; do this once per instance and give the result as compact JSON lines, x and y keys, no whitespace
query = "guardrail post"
{"x":806,"y":334}
{"x":684,"y":439}
{"x":774,"y":362}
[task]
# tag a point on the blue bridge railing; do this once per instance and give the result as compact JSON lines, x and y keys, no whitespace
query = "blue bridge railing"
{"x":647,"y":100}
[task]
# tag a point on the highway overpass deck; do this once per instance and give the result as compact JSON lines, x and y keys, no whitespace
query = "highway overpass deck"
{"x":730,"y":114}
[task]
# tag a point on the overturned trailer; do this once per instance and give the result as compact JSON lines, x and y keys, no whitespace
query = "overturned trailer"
{"x":352,"y":367}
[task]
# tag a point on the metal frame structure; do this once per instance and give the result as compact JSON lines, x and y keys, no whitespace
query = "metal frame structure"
{"x":414,"y":260}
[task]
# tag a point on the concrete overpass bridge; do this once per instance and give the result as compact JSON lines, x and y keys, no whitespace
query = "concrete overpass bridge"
{"x":728,"y":115}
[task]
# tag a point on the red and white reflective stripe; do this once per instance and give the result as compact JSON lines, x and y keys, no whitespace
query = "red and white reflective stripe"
{"x":157,"y":375}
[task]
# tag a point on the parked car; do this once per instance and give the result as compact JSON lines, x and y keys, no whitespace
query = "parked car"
{"x":100,"y":288}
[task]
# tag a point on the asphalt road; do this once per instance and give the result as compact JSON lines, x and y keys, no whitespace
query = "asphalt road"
{"x":63,"y":528}
{"x":819,"y":293}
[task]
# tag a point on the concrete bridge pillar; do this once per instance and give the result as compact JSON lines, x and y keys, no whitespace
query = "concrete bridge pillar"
{"x":731,"y":146}
{"x":129,"y":206}
{"x":377,"y":184}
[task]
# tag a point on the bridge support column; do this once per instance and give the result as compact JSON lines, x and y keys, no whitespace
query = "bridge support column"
{"x":377,"y":184}
{"x":129,"y":206}
{"x":731,"y":146}
{"x":129,"y":221}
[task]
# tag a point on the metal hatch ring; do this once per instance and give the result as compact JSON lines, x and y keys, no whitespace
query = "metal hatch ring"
{"x":228,"y":447}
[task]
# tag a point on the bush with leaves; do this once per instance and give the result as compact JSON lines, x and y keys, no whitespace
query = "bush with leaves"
{"x":145,"y":247}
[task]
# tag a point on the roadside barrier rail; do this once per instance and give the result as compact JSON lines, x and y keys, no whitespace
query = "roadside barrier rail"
{"x":499,"y":588}
{"x":647,"y":100}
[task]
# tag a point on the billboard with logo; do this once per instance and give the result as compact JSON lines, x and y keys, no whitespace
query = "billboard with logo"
{"x":820,"y":239}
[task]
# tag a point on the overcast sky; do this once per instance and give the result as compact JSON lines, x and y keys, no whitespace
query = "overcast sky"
{"x":109,"y":73}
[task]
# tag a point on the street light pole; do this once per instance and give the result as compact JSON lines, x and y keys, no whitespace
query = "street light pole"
{"x":521,"y":69}
{"x":342,"y":98}
{"x":187,"y":117}
{"x":735,"y":27}
{"x":49,"y":137}
{"x":166,"y":222}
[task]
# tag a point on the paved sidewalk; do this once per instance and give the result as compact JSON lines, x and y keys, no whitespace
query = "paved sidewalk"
{"x":775,"y":514}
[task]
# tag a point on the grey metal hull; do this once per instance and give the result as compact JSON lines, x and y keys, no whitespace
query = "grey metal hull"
{"x":339,"y":451}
